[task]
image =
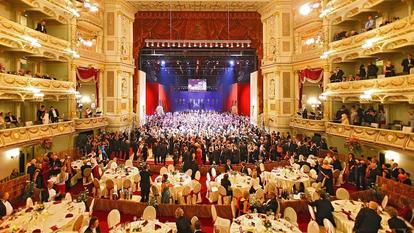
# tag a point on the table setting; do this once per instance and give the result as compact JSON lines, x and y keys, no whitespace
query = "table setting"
{"x":143,"y":226}
{"x":261,"y":223}
{"x":237,"y":180}
{"x":286,"y":178}
{"x":44,"y":217}
{"x":178,"y":180}
{"x":119,"y":174}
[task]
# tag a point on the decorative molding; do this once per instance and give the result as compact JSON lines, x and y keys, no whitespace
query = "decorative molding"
{"x":389,"y":138}
{"x":307,"y":124}
{"x":90,"y":123}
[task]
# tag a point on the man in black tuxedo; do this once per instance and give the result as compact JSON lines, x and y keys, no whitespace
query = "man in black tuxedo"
{"x":368,"y":220}
{"x":182,"y":223}
{"x":145,"y":183}
{"x":93,"y":226}
{"x":11,"y":119}
{"x":407,"y":64}
{"x":271,"y":204}
{"x":155,"y":152}
{"x":41,"y":27}
{"x":324,"y":210}
{"x":225,"y":182}
{"x":197,"y":227}
{"x":53,"y":114}
{"x":244,"y":169}
{"x":228,"y":167}
{"x":395,"y":223}
{"x":394,"y":171}
{"x":163,"y":151}
{"x":6,"y":209}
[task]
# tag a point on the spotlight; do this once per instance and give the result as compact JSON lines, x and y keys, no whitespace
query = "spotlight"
{"x":231,"y":62}
{"x":162,"y":63}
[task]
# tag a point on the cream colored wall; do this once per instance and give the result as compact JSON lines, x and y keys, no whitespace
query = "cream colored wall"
{"x":399,"y":111}
{"x":58,"y":69}
{"x":7,"y":163}
{"x":88,"y":89}
{"x":6,"y":10}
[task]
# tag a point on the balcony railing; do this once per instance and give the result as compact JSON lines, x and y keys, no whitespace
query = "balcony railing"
{"x":384,"y":39}
{"x":399,"y":85}
{"x":25,"y":84}
{"x":57,"y":10}
{"x":16,"y":37}
{"x":312,"y":125}
{"x":90,"y":123}
{"x":22,"y":135}
{"x":389,"y":138}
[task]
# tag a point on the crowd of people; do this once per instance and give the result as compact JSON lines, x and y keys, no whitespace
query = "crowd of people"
{"x":26,"y":73}
{"x":360,"y":116}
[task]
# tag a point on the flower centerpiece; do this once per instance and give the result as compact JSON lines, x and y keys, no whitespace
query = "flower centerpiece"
{"x":353,"y":145}
{"x":255,"y":204}
{"x":83,"y":196}
{"x":267,"y":224}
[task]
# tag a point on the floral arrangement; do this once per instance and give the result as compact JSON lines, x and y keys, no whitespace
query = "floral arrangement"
{"x":153,"y":202}
{"x":353,"y":145}
{"x":267,"y":224}
{"x":83,"y":196}
{"x":46,"y":143}
{"x":255,"y":204}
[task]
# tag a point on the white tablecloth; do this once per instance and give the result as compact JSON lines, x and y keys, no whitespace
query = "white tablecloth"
{"x":55,"y":214}
{"x":119,"y":175}
{"x":344,"y":224}
{"x":77,"y":164}
{"x":144,"y":227}
{"x":241,"y":181}
{"x":178,"y":180}
{"x":254,"y":223}
{"x":286,"y":178}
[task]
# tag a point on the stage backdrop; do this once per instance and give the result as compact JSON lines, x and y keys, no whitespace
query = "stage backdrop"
{"x":198,"y":26}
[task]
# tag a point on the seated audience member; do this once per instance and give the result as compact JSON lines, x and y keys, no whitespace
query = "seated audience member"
{"x":407,"y":64}
{"x":324,"y":209}
{"x":2,"y":121}
{"x":372,"y":71}
{"x":14,"y":174}
{"x":40,"y":113}
{"x":394,"y":171}
{"x":407,"y":179}
{"x":396,"y":224}
{"x":244,"y":169}
{"x":197,"y":227}
{"x":2,"y":68}
{"x":389,"y":69}
{"x":271,"y":205}
{"x":362,"y":72}
{"x":370,"y":24}
{"x":48,"y":194}
{"x":11,"y":119}
{"x":344,"y":119}
{"x":93,"y":226}
{"x":368,"y":220}
{"x":6,"y":209}
{"x":41,"y":26}
{"x":53,"y":114}
{"x":244,"y":205}
{"x":337,"y":76}
{"x":182,"y":223}
{"x":21,"y":72}
{"x":225,"y":182}
{"x":228,"y":167}
{"x":405,"y":211}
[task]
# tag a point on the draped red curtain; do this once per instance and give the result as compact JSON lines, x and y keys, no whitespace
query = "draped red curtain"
{"x":87,"y":74}
{"x":312,"y":75}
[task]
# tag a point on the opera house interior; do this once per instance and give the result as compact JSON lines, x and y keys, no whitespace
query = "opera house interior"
{"x":206,"y":116}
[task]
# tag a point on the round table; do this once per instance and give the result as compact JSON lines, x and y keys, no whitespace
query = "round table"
{"x":237,"y":180}
{"x":119,"y":175}
{"x":144,"y":227}
{"x":54,"y":216}
{"x":287,"y":177}
{"x":255,"y":223}
{"x":177,"y":180}
{"x":346,"y":212}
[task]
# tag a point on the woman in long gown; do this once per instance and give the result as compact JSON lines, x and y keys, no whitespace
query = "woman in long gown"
{"x":165,"y":190}
{"x":326,"y":177}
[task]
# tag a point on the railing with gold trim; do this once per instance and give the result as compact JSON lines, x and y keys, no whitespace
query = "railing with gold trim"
{"x":390,"y":138}
{"x":21,"y":135}
{"x":90,"y":123}
{"x":308,"y":124}
{"x":385,"y":38}
{"x":23,"y":83}
{"x":20,"y":38}
{"x":54,"y":9}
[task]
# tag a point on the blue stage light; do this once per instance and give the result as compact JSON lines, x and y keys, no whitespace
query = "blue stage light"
{"x":162,"y":63}
{"x":231,"y":62}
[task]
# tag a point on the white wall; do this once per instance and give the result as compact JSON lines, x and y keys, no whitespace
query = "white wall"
{"x":142,"y":96}
{"x":254,"y":104}
{"x":8,"y":163}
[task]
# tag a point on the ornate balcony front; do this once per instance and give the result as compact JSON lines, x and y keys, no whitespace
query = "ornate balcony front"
{"x":21,"y":87}
{"x":385,"y":39}
{"x":307,"y":124}
{"x":389,"y":138}
{"x":30,"y":134}
{"x":399,"y":88}
{"x":90,"y":123}
{"x":31,"y":43}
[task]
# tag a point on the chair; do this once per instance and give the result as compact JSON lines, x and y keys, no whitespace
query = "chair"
{"x":91,"y":207}
{"x":336,"y":174}
{"x":149,"y":213}
{"x":193,"y":220}
{"x":197,"y":175}
{"x":87,"y":178}
{"x":342,"y":194}
{"x":114,"y":218}
{"x":328,"y":226}
{"x":137,"y":179}
{"x":312,"y":212}
{"x":113,"y":165}
{"x":384,"y":202}
{"x":163,"y":171}
{"x":237,"y":194}
{"x":222,"y":192}
{"x":196,"y":197}
{"x":249,"y":171}
{"x":189,"y":172}
{"x":290,"y":215}
{"x":109,"y":189}
{"x":126,"y":189}
{"x":313,"y":174}
{"x":171,"y":168}
{"x":262,"y":167}
{"x":68,"y":197}
{"x":234,"y":208}
{"x":220,"y":224}
{"x":315,"y":196}
{"x":77,"y":225}
{"x":260,"y":194}
{"x":213,"y":172}
{"x":29,"y":202}
{"x":97,"y":189}
{"x":313,"y":227}
{"x":129,"y":163}
{"x":185,"y":198}
{"x":155,"y":193}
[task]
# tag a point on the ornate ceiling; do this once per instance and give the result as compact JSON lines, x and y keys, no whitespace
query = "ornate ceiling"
{"x":203,"y":5}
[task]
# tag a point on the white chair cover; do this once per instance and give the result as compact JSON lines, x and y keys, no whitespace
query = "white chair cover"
{"x":29,"y":202}
{"x":328,"y":226}
{"x":384,"y":202}
{"x":68,"y":197}
{"x":149,"y":213}
{"x":342,"y":194}
{"x":114,"y":218}
{"x":290,"y":215}
{"x":313,"y":227}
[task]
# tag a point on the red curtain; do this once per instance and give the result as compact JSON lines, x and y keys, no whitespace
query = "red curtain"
{"x":87,"y":74}
{"x":312,"y":75}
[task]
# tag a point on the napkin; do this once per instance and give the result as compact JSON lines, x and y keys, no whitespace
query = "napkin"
{"x":352,"y":202}
{"x":348,"y":214}
{"x":157,"y":227}
{"x":237,"y":221}
{"x":37,"y":231}
{"x":29,"y":209}
{"x":144,"y":223}
{"x":56,"y":202}
{"x":170,"y":231}
{"x":69,"y":215}
{"x":249,"y":216}
{"x":54,"y":228}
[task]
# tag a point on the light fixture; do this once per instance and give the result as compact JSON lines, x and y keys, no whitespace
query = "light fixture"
{"x":73,"y":53}
{"x":325,"y":12}
{"x":314,"y":102}
{"x":307,"y":8}
{"x":33,"y":42}
{"x":92,"y":7}
{"x":392,"y":156}
{"x":85,"y":99}
{"x":74,"y":12}
{"x":87,"y":43}
{"x":12,"y":153}
{"x":369,"y":43}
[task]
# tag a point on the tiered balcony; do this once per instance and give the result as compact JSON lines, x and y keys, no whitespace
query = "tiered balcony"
{"x":20,"y":39}
{"x":307,"y":124}
{"x":381,"y":89}
{"x":57,"y":10}
{"x":351,"y":10}
{"x":22,"y":135}
{"x":389,"y":138}
{"x":90,"y":123}
{"x":12,"y":84}
{"x":385,"y":39}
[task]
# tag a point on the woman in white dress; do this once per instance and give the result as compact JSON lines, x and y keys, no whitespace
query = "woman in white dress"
{"x":45,"y":118}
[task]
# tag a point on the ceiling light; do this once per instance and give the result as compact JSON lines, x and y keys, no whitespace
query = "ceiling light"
{"x":305,"y":9}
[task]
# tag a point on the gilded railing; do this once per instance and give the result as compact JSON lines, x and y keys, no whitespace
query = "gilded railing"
{"x":90,"y":123}
{"x":23,"y":83}
{"x":308,"y":124}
